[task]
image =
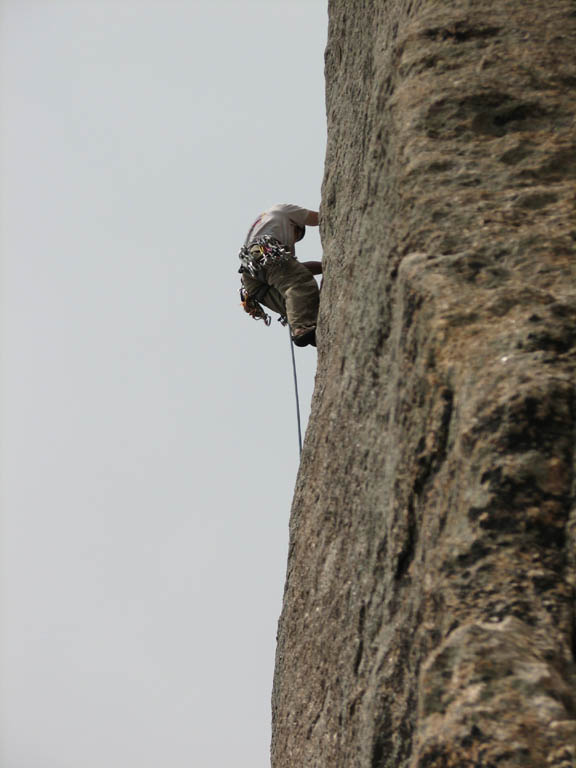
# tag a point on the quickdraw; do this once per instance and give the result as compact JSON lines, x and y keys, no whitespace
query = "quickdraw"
{"x":253,"y":308}
{"x":261,"y":252}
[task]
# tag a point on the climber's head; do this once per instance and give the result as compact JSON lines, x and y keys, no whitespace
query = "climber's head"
{"x":300,"y":232}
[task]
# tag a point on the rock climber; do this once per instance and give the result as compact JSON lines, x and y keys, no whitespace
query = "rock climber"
{"x":272,"y":276}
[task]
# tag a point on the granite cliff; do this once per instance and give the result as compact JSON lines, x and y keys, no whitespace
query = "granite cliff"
{"x":428,"y":616}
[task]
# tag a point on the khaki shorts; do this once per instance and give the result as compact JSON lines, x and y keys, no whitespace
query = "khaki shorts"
{"x":285,"y":286}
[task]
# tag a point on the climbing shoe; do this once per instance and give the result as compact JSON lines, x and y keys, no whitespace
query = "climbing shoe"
{"x":304,"y":336}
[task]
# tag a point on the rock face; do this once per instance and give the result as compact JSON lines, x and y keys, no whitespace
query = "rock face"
{"x":428,"y":614}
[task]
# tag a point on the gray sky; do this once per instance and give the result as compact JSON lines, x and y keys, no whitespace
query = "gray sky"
{"x":149,"y":444}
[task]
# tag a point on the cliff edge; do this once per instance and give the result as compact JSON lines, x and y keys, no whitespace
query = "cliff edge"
{"x":428,"y":614}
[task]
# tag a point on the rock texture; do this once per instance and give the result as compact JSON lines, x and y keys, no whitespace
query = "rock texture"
{"x":428,"y":615}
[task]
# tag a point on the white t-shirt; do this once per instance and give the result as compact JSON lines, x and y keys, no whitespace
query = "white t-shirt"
{"x":279,"y":222}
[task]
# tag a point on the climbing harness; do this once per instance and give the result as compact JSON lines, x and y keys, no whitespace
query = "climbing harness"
{"x":261,"y":252}
{"x":253,"y":257}
{"x":296,"y":393}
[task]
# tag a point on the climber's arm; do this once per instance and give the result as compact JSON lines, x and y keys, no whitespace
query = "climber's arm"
{"x":314,"y":266}
{"x":312,"y":219}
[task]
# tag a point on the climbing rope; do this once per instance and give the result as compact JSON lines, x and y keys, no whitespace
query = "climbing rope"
{"x":296,"y":392}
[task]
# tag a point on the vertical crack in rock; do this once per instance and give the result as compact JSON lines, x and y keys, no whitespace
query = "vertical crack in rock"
{"x":428,"y":615}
